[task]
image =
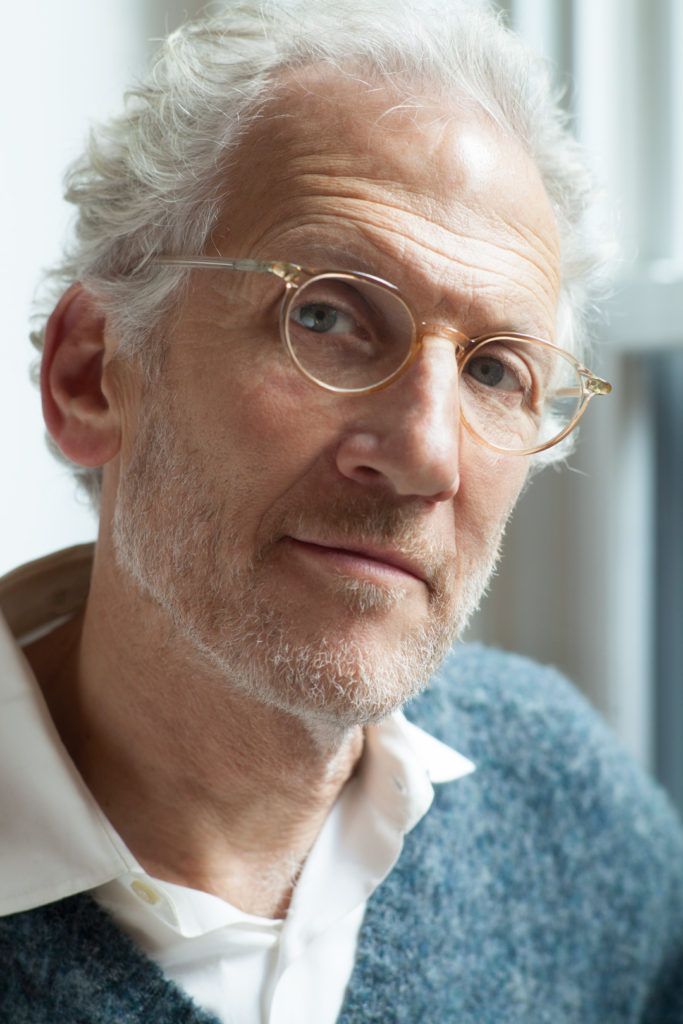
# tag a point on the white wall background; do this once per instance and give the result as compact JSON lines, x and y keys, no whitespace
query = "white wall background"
{"x":63,"y":66}
{"x":576,"y":583}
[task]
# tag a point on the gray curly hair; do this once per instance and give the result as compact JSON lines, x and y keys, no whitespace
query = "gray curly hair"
{"x":153,"y":179}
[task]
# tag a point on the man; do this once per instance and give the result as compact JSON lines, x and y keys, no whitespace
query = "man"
{"x":263,"y":362}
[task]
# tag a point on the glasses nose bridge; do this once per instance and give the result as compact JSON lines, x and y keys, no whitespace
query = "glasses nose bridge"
{"x":425,"y":328}
{"x":429,"y":327}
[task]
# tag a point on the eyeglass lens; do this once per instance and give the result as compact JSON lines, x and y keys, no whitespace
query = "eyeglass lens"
{"x":352,"y":334}
{"x":348,"y":333}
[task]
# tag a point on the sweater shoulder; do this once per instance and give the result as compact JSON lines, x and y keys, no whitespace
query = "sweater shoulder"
{"x":547,"y":885}
{"x":531,"y":734}
{"x":490,"y":703}
{"x":487,"y":685}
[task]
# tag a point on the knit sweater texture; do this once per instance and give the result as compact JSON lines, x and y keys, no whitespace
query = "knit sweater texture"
{"x":545,"y":887}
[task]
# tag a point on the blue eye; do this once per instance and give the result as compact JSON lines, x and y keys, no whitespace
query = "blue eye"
{"x":491,"y":372}
{"x":503,"y":372}
{"x":317,"y":318}
{"x":486,"y":371}
{"x":324,"y":319}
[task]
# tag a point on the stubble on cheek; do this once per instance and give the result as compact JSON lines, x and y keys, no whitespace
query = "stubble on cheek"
{"x":175,"y":533}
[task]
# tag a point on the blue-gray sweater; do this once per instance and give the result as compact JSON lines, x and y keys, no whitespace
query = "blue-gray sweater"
{"x":545,"y":887}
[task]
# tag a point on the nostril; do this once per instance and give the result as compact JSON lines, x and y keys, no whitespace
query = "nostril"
{"x":368,"y":472}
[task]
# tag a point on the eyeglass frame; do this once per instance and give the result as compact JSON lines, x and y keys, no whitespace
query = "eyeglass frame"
{"x":295,"y":276}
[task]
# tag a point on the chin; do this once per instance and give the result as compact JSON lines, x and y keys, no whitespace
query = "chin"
{"x":339,"y":680}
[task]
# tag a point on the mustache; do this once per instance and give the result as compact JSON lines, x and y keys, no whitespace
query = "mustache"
{"x":360,"y":521}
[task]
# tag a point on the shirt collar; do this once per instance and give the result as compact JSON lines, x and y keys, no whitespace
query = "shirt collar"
{"x":437,"y":760}
{"x":55,"y":840}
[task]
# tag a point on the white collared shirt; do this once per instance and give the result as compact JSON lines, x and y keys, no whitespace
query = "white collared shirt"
{"x":56,"y":842}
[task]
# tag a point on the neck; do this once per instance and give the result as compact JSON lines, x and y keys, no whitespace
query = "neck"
{"x":207,"y":787}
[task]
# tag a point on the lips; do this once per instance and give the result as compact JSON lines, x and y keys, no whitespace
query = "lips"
{"x":383,"y":556}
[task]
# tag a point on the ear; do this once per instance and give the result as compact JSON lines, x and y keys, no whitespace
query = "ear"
{"x":76,"y":407}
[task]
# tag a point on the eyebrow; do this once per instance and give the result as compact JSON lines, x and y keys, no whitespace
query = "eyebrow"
{"x":328,"y":256}
{"x":320,"y":255}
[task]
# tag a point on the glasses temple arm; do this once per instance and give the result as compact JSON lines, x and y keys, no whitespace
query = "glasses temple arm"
{"x":287,"y":271}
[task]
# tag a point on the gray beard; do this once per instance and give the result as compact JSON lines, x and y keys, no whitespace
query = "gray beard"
{"x":174,"y":536}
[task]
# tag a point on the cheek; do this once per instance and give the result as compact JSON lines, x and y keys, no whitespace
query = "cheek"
{"x":271,"y":422}
{"x":490,"y":484}
{"x":258,"y":430}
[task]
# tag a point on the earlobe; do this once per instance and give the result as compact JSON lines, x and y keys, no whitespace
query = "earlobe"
{"x":76,"y":408}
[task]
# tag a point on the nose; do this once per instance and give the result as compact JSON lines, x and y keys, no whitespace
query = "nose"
{"x":406,"y":436}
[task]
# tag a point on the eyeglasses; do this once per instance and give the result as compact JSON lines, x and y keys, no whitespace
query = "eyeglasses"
{"x":352,"y":333}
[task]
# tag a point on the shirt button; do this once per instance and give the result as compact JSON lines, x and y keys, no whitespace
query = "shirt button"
{"x":145,"y":892}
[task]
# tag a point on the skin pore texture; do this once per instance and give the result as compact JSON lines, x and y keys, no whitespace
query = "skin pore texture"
{"x":278,"y":566}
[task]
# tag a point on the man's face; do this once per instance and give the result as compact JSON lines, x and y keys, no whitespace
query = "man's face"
{"x":323,"y":551}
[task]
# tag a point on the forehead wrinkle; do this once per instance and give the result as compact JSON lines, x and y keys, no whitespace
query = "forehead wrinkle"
{"x":432,"y":275}
{"x":376,"y":222}
{"x":545,"y":258}
{"x":366,"y":212}
{"x":541,"y":234}
{"x":489,"y":290}
{"x":333,"y":181}
{"x":416,"y":203}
